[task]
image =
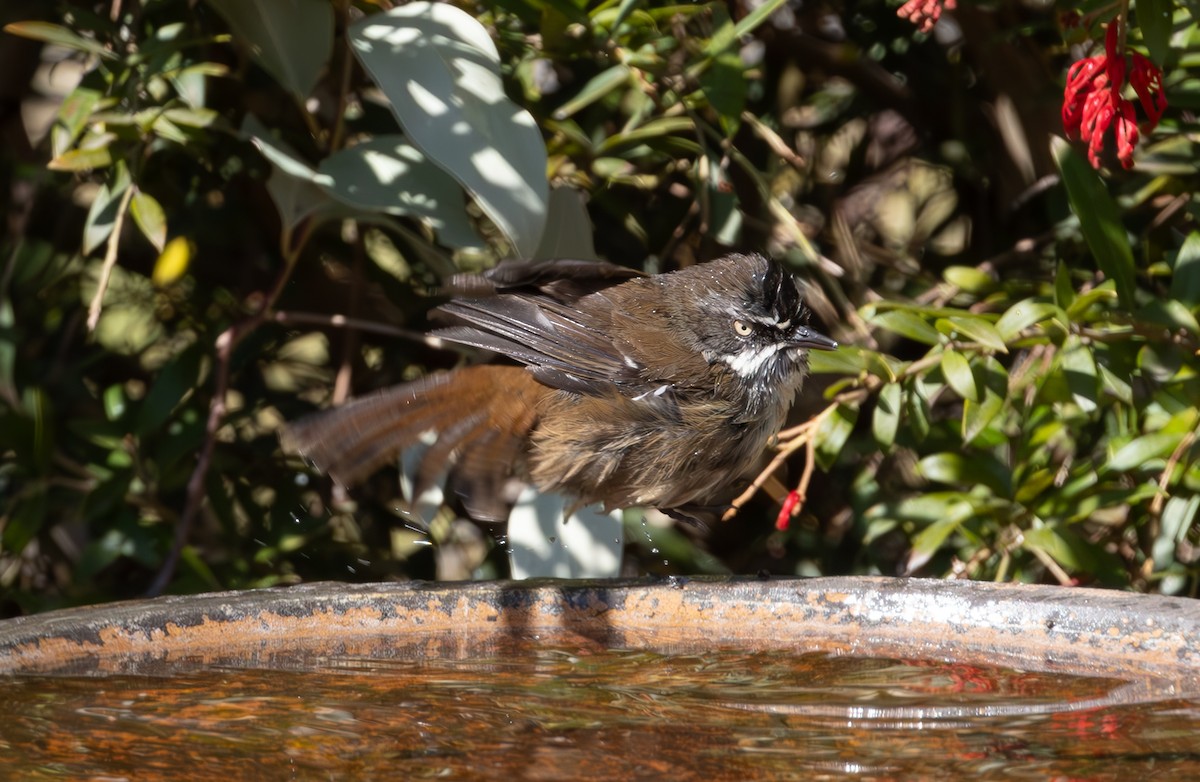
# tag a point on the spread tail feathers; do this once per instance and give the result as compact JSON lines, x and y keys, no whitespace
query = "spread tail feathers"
{"x":480,"y":418}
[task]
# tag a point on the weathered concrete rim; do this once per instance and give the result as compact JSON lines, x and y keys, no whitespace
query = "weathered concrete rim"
{"x":1081,"y":631}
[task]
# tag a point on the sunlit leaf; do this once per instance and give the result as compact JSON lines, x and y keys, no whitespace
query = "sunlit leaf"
{"x":975,"y":469}
{"x":73,"y":117}
{"x":387,"y":174}
{"x":1137,"y":452}
{"x":992,"y":381}
{"x":974,"y":328}
{"x":907,"y":324}
{"x":958,"y":374}
{"x":1022,"y":315}
{"x":57,"y":34}
{"x":148,"y":214}
{"x":597,"y":87}
{"x":886,"y":420}
{"x":441,"y":72}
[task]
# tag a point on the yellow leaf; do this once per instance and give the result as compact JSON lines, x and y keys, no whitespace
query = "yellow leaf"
{"x":173,"y":262}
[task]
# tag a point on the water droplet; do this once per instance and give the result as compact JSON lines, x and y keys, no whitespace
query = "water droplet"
{"x":654,"y":550}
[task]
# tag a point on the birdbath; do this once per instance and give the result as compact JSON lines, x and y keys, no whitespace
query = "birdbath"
{"x":684,"y":679}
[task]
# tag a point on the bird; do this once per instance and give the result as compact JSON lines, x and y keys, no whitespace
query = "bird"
{"x":622,"y":389}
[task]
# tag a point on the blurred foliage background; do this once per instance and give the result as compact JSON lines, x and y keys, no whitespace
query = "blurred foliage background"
{"x":223,"y":215}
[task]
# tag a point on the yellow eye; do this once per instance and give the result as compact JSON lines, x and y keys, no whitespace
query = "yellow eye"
{"x":743,"y":328}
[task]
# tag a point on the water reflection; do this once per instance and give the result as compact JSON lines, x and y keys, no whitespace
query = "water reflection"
{"x":556,"y":714}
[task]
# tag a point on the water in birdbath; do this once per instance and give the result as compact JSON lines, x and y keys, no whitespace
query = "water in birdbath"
{"x":563,"y":713}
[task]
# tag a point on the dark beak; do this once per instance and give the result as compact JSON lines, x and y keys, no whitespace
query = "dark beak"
{"x":804,"y":337}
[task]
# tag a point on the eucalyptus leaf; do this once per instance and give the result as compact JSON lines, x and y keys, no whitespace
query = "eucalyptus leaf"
{"x":441,"y":73}
{"x":387,"y":174}
{"x":291,"y":39}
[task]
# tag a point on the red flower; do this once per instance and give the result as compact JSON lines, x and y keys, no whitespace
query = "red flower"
{"x":925,"y":13}
{"x":785,"y":513}
{"x":1092,"y":100}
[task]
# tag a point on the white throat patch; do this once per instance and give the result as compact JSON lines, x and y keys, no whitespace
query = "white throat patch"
{"x":749,"y":362}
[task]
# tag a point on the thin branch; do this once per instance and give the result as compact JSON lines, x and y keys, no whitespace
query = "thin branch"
{"x":195,"y":486}
{"x":110,"y":259}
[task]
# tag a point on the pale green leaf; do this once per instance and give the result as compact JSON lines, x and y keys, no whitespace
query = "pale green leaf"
{"x":441,"y":73}
{"x":148,"y":214}
{"x":291,"y":39}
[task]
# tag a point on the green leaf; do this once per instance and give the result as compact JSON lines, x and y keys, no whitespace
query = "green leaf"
{"x":24,"y":522}
{"x":73,"y":117}
{"x":1137,"y":452}
{"x":597,"y":87}
{"x":958,"y":374}
{"x":1022,"y":315}
{"x":102,"y":215}
{"x":1079,"y":369}
{"x":82,"y":160}
{"x":1179,"y":514}
{"x":978,"y":415}
{"x":977,"y":469}
{"x":886,"y":419}
{"x":57,"y":34}
{"x":1064,"y":289}
{"x":1185,"y":281}
{"x":1154,"y":20}
{"x":441,"y":72}
{"x":1076,"y":555}
{"x":724,"y":85}
{"x":387,"y":174}
{"x":568,"y":227}
{"x":177,"y":379}
{"x":846,"y":360}
{"x":654,"y":129}
{"x":1099,"y":219}
{"x":974,"y":328}
{"x":907,"y":324}
{"x":926,"y":543}
{"x":291,"y":39}
{"x":917,"y":404}
{"x":151,"y":221}
{"x":1114,"y":384}
{"x":969,"y":279}
{"x":833,"y":433}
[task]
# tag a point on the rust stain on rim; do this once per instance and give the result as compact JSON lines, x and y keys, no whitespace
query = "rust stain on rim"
{"x":1081,"y":631}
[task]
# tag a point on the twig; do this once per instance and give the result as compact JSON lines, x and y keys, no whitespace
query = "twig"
{"x":195,"y":487}
{"x":110,"y":259}
{"x":343,"y":322}
{"x":797,"y":437}
{"x":1156,"y":504}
